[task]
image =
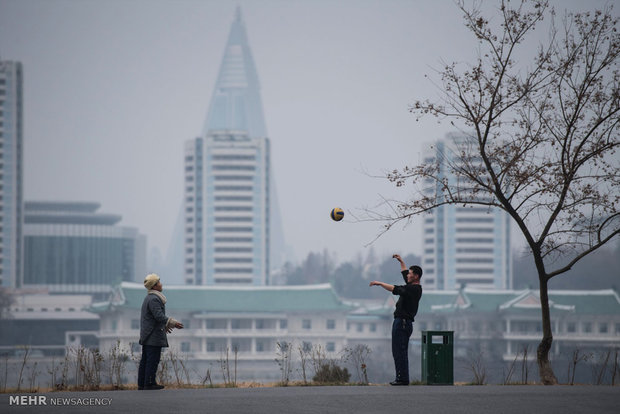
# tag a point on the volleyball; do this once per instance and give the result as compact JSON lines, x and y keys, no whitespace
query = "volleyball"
{"x":337,"y":214}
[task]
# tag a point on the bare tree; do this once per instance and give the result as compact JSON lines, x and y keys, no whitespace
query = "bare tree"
{"x":541,"y":138}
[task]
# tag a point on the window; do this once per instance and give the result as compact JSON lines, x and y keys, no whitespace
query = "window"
{"x":330,"y":347}
{"x":283,"y":324}
{"x":571,"y":327}
{"x":602,"y":327}
{"x":331,"y":324}
{"x":241,"y":324}
{"x":587,"y":327}
{"x":306,"y":324}
{"x":185,"y":346}
{"x":307,"y":346}
{"x":135,"y":324}
{"x":113,"y":325}
{"x":210,"y":346}
{"x":360,"y":327}
{"x":260,"y":346}
{"x":373,"y":327}
{"x":216,"y":324}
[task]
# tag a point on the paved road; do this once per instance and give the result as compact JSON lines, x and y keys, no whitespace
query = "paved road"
{"x":341,"y":400}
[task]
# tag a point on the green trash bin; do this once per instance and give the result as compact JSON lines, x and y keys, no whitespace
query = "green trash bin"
{"x":438,"y":357}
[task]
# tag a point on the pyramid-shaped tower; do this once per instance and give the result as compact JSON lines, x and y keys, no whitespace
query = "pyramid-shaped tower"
{"x":229,"y":197}
{"x":236,"y":103}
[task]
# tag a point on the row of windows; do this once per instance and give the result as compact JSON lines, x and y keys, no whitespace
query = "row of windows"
{"x":247,"y":324}
{"x":233,"y":198}
{"x":473,"y":240}
{"x":233,"y":177}
{"x":473,"y":209}
{"x":474,"y":219}
{"x":234,"y":208}
{"x":233,"y":219}
{"x":233,"y":250}
{"x":233,"y":239}
{"x":262,"y":324}
{"x":45,"y":309}
{"x":474,"y":260}
{"x":233,"y":260}
{"x":234,"y":167}
{"x":233,"y":157}
{"x":262,"y":345}
{"x":228,"y":281}
{"x":233,"y":229}
{"x":473,"y":271}
{"x":474,"y":230}
{"x":468,"y":240}
{"x":233,"y":188}
{"x":475,"y":250}
{"x":568,"y":327}
{"x":233,"y":270}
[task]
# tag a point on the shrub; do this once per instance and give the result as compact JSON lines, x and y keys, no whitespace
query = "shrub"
{"x":331,"y":373}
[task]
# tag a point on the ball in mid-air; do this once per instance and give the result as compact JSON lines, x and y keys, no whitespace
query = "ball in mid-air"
{"x":337,"y":214}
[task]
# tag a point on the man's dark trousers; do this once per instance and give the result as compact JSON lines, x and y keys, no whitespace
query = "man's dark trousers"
{"x":401,"y":332}
{"x":148,"y":365}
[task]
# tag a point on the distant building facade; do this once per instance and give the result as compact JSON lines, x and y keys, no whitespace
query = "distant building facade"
{"x":69,"y":247}
{"x":39,"y":322}
{"x":248,"y":320}
{"x":227,"y":210}
{"x":463,"y":245}
{"x":11,"y":173}
{"x":229,"y":194}
{"x":254,"y":320}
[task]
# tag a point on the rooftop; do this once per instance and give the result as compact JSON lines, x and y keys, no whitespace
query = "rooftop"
{"x":230,"y":299}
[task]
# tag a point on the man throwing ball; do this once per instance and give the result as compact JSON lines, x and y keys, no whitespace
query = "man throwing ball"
{"x":406,"y":309}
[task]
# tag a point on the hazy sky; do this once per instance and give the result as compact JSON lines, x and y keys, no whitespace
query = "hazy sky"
{"x":114,"y":88}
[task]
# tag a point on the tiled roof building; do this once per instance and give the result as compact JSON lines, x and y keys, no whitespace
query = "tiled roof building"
{"x":253,"y":320}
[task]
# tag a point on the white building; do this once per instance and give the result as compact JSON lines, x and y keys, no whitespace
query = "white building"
{"x":248,"y":323}
{"x":40,"y":321}
{"x":11,"y":173}
{"x":229,"y":195}
{"x":247,"y":320}
{"x":252,"y":320}
{"x":227,"y":209}
{"x":463,"y":245}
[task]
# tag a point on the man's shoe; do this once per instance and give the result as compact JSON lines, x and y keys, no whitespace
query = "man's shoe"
{"x":399,"y":383}
{"x":154,"y":387}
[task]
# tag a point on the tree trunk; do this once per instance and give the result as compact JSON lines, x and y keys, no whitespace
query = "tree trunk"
{"x":545,"y":371}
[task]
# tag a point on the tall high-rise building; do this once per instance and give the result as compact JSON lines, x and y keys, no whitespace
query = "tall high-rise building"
{"x":463,"y":245}
{"x":228,"y":190}
{"x":11,"y":176}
